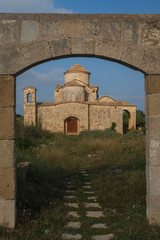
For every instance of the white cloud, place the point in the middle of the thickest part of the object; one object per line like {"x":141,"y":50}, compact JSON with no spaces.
{"x":30,"y":6}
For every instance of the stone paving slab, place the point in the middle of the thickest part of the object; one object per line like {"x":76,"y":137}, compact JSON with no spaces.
{"x":71,"y":236}
{"x":89,"y":192}
{"x":69,"y":186}
{"x":74,"y":205}
{"x":73,"y":214}
{"x":94,"y":214}
{"x":96,"y":205}
{"x":86,"y":174}
{"x":69,"y":197}
{"x":74,"y":225}
{"x":92,"y":198}
{"x":103,"y":237}
{"x":69,"y":182}
{"x":99,"y":225}
{"x":87,"y":183}
{"x":83,"y":171}
{"x":70,"y":191}
{"x":87,"y":187}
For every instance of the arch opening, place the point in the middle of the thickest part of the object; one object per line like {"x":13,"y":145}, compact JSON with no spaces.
{"x":126,"y":121}
{"x":29,"y":98}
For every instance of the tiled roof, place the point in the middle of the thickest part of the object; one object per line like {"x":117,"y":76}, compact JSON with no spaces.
{"x":110,"y":100}
{"x":74,"y":83}
{"x":29,"y":87}
{"x":125,"y":103}
{"x":47,"y":104}
{"x":59,"y":86}
{"x":77,"y":68}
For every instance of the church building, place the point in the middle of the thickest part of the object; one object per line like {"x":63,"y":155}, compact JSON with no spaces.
{"x":77,"y":107}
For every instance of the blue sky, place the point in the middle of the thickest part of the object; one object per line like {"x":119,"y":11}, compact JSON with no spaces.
{"x":113,"y":79}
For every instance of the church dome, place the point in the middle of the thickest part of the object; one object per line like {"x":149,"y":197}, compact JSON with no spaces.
{"x":77,"y":72}
{"x":77,"y":68}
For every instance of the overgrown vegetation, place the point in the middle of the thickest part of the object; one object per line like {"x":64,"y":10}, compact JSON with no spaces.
{"x":117,"y":168}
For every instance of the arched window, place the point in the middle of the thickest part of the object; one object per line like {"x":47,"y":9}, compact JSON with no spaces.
{"x":29,"y":97}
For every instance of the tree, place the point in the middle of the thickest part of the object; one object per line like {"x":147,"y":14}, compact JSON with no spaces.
{"x":140,"y":119}
{"x":125,"y":121}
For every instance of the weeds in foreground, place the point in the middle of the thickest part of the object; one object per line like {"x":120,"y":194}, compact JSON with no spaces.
{"x":116,"y":164}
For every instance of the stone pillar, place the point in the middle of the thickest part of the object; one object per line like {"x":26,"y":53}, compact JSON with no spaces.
{"x":7,"y":151}
{"x":152,"y":90}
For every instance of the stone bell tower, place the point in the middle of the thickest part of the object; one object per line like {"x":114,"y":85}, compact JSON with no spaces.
{"x":30,"y":110}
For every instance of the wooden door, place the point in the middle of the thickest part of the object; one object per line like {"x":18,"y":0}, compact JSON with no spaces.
{"x":72,"y":126}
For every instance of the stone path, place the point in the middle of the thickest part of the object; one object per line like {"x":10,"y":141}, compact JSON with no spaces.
{"x":84,"y":210}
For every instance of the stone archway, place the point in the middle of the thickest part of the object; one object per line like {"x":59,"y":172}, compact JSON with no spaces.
{"x":30,"y":39}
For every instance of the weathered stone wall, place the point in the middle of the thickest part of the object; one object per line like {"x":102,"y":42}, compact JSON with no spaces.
{"x":152,"y":89}
{"x":29,"y":39}
{"x":52,"y":117}
{"x":73,"y":94}
{"x":82,"y":76}
{"x":132,"y":40}
{"x":90,"y":116}
{"x":7,"y":151}
{"x":30,"y":114}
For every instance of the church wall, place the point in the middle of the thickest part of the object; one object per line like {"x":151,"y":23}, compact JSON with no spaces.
{"x":30,"y":114}
{"x":117,"y":117}
{"x":73,"y":94}
{"x":101,"y":117}
{"x":52,"y":117}
{"x":58,"y":95}
{"x":83,"y":77}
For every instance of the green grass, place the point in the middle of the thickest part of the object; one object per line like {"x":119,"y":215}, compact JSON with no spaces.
{"x":53,"y":157}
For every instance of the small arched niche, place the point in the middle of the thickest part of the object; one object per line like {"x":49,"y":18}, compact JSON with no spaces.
{"x":29,"y":98}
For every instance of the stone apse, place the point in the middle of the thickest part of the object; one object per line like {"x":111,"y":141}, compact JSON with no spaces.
{"x":30,"y":39}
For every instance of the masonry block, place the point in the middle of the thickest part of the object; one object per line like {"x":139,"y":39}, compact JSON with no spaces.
{"x":7,"y":91}
{"x":36,"y":52}
{"x":60,"y":47}
{"x":103,"y":48}
{"x":131,"y":33}
{"x":48,"y":29}
{"x":7,"y":183}
{"x":133,"y":55}
{"x":153,"y":180}
{"x":10,"y":32}
{"x":7,"y":153}
{"x":152,"y":84}
{"x":7,"y":213}
{"x":94,"y":28}
{"x":153,"y":152}
{"x":153,"y":127}
{"x":11,"y":60}
{"x":112,"y":31}
{"x":70,"y":27}
{"x":82,"y":45}
{"x":7,"y":123}
{"x":152,"y":104}
{"x":151,"y":61}
{"x":150,"y":34}
{"x":29,"y":31}
{"x":153,"y":209}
